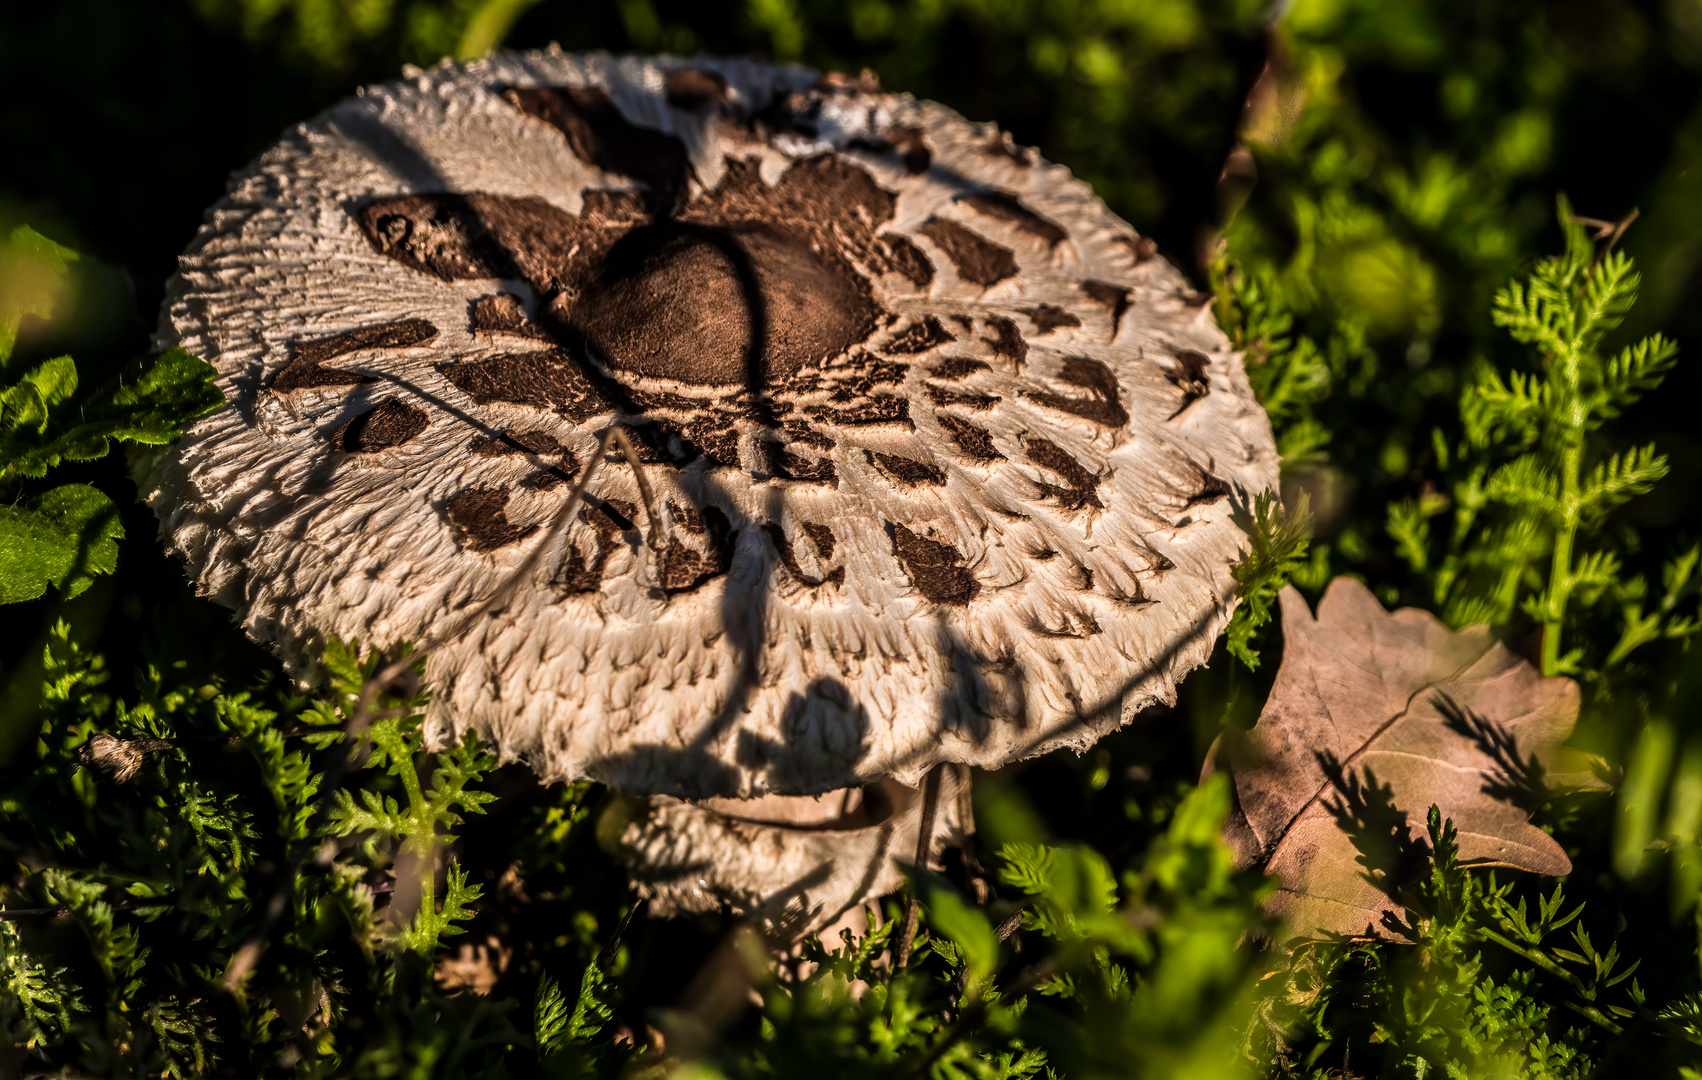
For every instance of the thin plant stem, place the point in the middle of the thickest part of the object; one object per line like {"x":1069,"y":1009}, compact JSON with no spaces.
{"x":1560,"y":570}
{"x":924,"y":849}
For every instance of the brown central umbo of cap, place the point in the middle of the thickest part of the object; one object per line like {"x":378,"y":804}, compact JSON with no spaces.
{"x":747,"y":283}
{"x":711,"y":305}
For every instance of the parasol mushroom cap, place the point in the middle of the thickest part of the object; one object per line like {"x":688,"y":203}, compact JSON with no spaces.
{"x":939,"y":462}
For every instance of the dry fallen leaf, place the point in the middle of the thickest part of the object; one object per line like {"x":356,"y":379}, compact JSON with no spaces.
{"x":1373,"y":718}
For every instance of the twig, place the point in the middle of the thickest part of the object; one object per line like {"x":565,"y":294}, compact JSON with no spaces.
{"x":653,"y":535}
{"x":1003,"y":933}
{"x":1611,"y":231}
{"x":606,"y":955}
{"x":924,"y":848}
{"x":11,"y":914}
{"x":973,"y":871}
{"x":116,"y":760}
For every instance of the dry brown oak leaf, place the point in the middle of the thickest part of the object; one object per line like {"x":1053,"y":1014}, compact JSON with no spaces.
{"x":1375,"y":717}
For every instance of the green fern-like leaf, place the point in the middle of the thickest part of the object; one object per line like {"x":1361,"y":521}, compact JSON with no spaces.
{"x":1619,"y":479}
{"x":1279,"y":542}
{"x":36,"y":1002}
{"x":592,"y":1009}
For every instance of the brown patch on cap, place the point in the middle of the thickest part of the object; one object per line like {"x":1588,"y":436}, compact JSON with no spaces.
{"x":304,"y":372}
{"x":979,"y":402}
{"x":903,"y":141}
{"x":978,"y":260}
{"x":1189,"y":377}
{"x":1007,"y":340}
{"x":650,"y":400}
{"x":958,"y":367}
{"x":851,"y":381}
{"x":798,"y":431}
{"x":909,"y":471}
{"x":685,"y":567}
{"x":479,"y":237}
{"x":789,"y":557}
{"x":894,"y":254}
{"x":935,"y":568}
{"x":610,"y":515}
{"x":974,"y":441}
{"x":609,"y":519}
{"x":1103,"y":403}
{"x":1007,"y":208}
{"x":675,"y":302}
{"x":500,"y":314}
{"x":1048,"y":317}
{"x":601,"y":137}
{"x":1081,"y":488}
{"x":716,"y":440}
{"x":1114,"y":298}
{"x":786,"y":465}
{"x":391,"y":423}
{"x":580,"y":575}
{"x":874,"y":409}
{"x":830,"y":197}
{"x":693,"y":88}
{"x":540,"y":443}
{"x":919,"y":337}
{"x":547,"y":379}
{"x":821,"y":536}
{"x":481,"y":516}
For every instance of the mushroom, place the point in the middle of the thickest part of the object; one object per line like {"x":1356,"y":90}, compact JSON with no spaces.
{"x":931,"y":459}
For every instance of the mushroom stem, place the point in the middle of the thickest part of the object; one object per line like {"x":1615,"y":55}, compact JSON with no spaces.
{"x":924,"y":849}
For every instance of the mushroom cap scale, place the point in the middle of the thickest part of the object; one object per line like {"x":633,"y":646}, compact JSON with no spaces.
{"x":944,"y":463}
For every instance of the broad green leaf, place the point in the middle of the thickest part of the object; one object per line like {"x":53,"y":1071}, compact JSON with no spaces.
{"x":55,"y":380}
{"x":175,"y":389}
{"x":62,"y":538}
{"x":28,"y":406}
{"x":32,"y":276}
{"x":150,"y":406}
{"x":21,"y":410}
